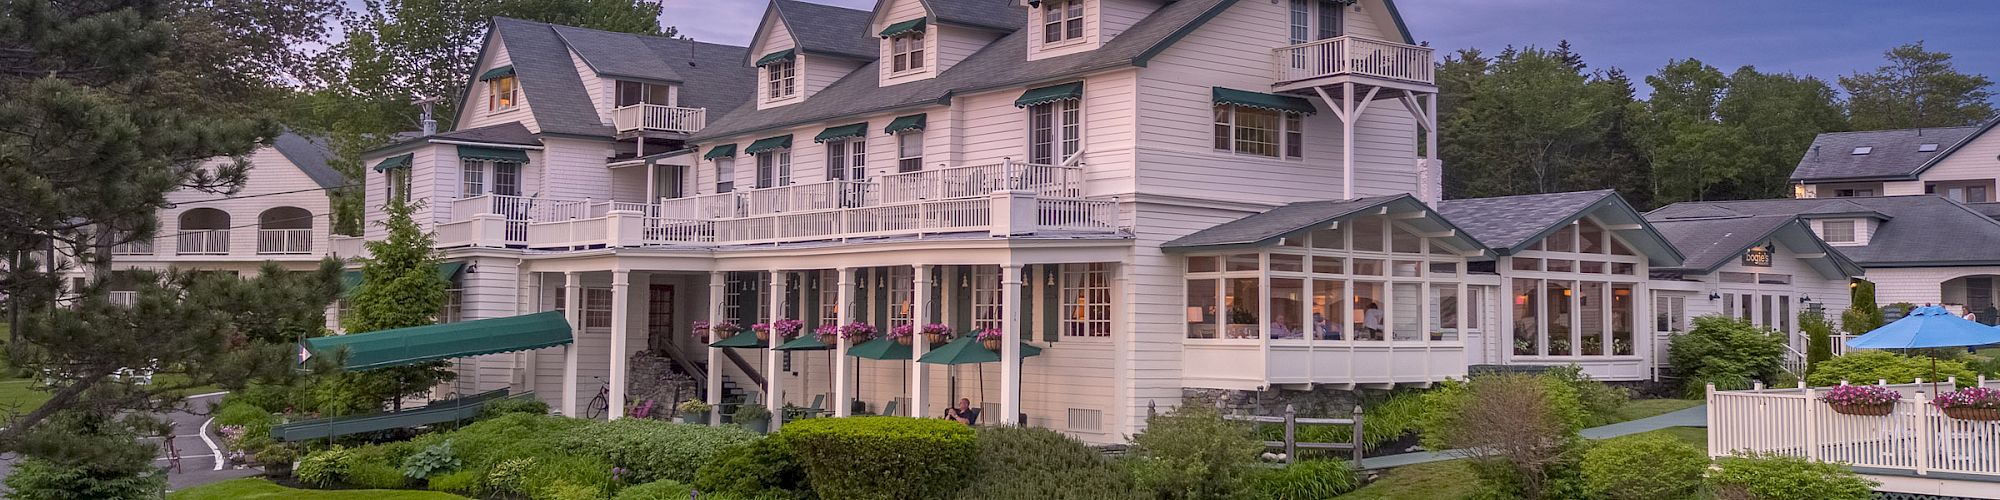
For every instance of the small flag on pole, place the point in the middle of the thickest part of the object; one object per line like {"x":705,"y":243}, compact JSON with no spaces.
{"x":304,"y":354}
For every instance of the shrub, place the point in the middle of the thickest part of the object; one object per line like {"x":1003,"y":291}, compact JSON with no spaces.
{"x":1191,"y":452}
{"x":749,"y":413}
{"x":486,"y":443}
{"x":504,"y":406}
{"x":435,"y":459}
{"x":1819,"y":337}
{"x":254,"y":424}
{"x":276,"y":457}
{"x":567,"y":491}
{"x":510,"y":476}
{"x":41,"y":479}
{"x":1727,"y":352}
{"x":1651,"y":467}
{"x":464,"y":482}
{"x":1772,"y":477}
{"x":1016,"y":463}
{"x":322,"y":468}
{"x":653,"y":450}
{"x":1862,"y":315}
{"x":1307,"y":480}
{"x":1518,"y":430}
{"x":1868,"y":366}
{"x":1600,"y":402}
{"x":761,"y":467}
{"x":882,"y":457}
{"x":560,"y":476}
{"x":374,"y":475}
{"x":666,"y":489}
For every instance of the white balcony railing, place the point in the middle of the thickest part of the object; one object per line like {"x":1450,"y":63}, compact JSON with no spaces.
{"x":202,"y":242}
{"x":284,"y":241}
{"x":1351,"y":55}
{"x":139,"y":247}
{"x":1048,"y":181}
{"x":659,"y":117}
{"x":823,"y":195}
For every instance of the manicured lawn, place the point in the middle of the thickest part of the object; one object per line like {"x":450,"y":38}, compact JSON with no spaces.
{"x":255,"y":488}
{"x":16,"y":394}
{"x":1445,"y":480}
{"x":1691,"y":435}
{"x":1642,"y":408}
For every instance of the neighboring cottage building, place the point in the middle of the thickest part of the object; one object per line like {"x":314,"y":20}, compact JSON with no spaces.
{"x":1960,"y":163}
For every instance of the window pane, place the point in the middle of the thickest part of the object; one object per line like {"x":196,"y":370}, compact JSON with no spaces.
{"x":1442,"y":269}
{"x":1202,"y":313}
{"x":1327,"y":265}
{"x":1527,"y":320}
{"x":1403,"y":241}
{"x":1243,"y":262}
{"x":1202,"y":265}
{"x":1625,"y":268}
{"x":1561,"y":265}
{"x":1590,"y":267}
{"x":1328,"y":238}
{"x":1590,"y":303}
{"x":1287,"y":308}
{"x":1561,"y":321}
{"x":1288,"y":262}
{"x":1256,"y":132}
{"x":1328,"y":304}
{"x":1564,"y":240}
{"x":1526,"y":264}
{"x":1621,"y":319}
{"x":1241,"y":300}
{"x":1406,"y":269}
{"x":1590,"y":237}
{"x":1409,"y":310}
{"x":1367,"y":311}
{"x":1368,"y":267}
{"x":1444,"y":312}
{"x":1222,"y":128}
{"x":1368,"y":234}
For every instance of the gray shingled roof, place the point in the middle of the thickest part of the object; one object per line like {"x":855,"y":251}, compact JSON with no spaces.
{"x":1894,"y":153}
{"x":1711,"y":242}
{"x":1002,"y":15}
{"x":548,"y":79}
{"x":1510,"y":224}
{"x":709,"y":74}
{"x":1990,"y":209}
{"x":1924,"y":230}
{"x":826,"y":29}
{"x":1000,"y":64}
{"x":505,"y":133}
{"x":310,"y":155}
{"x":1265,"y":228}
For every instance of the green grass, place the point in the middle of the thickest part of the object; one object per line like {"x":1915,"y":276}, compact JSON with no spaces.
{"x":19,"y":394}
{"x":255,"y":488}
{"x":1642,"y":408}
{"x":1436,"y":480}
{"x":1691,"y":435}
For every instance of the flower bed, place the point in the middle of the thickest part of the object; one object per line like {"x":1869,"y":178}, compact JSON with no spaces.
{"x":1978,"y":403}
{"x":1872,"y":400}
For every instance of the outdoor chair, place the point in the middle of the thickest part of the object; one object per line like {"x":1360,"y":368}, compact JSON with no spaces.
{"x":889,"y":409}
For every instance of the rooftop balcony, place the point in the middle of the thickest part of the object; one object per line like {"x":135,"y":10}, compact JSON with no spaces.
{"x":659,"y":118}
{"x":1354,"y":56}
{"x":1004,"y":199}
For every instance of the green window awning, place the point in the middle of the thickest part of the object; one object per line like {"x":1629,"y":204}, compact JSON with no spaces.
{"x":769,"y":144}
{"x":394,"y":162}
{"x":723,"y":151}
{"x":1260,"y":100}
{"x":903,"y":27}
{"x":450,"y":410}
{"x":902,"y":123}
{"x":500,"y":72}
{"x":492,"y":154}
{"x":448,"y":271}
{"x":420,"y":344}
{"x":806,"y":342}
{"x":745,"y":339}
{"x":1049,"y":94}
{"x":842,"y":132}
{"x":782,"y":55}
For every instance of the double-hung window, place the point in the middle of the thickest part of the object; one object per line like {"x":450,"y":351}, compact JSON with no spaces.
{"x":782,"y":79}
{"x":482,"y":177}
{"x":634,"y":93}
{"x":774,"y":168}
{"x":1062,"y":21}
{"x":847,"y":159}
{"x":906,"y":51}
{"x":725,"y":175}
{"x":398,"y":186}
{"x":502,"y":93}
{"x":1837,"y":231}
{"x":909,"y":151}
{"x":1055,"y":131}
{"x":1260,"y":132}
{"x":1086,"y":300}
{"x":1314,"y":20}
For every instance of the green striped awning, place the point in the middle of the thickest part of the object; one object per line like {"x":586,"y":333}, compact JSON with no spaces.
{"x":394,"y":162}
{"x":1049,"y":94}
{"x":903,"y":27}
{"x":1274,"y":102}
{"x":769,"y":144}
{"x":782,"y":55}
{"x":902,"y":123}
{"x":503,"y":71}
{"x":842,"y":132}
{"x":421,"y":344}
{"x":448,"y":271}
{"x":723,"y":151}
{"x":492,"y":154}
{"x":450,"y":410}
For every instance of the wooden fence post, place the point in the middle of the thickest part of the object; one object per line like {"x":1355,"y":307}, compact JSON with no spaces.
{"x":1291,"y":438}
{"x":1812,"y":425}
{"x":1357,"y":452}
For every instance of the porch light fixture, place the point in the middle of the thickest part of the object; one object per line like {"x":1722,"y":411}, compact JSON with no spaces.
{"x":1714,"y":296}
{"x":1805,"y":299}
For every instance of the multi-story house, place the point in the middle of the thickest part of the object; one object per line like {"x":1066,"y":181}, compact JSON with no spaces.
{"x":1954,"y":162}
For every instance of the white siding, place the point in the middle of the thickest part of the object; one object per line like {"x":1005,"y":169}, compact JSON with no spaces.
{"x":776,"y":38}
{"x":954,"y":44}
{"x":1093,"y":32}
{"x":1919,"y":285}
{"x":598,"y":88}
{"x":573,"y":169}
{"x":1974,"y":161}
{"x":475,"y":114}
{"x":273,"y":181}
{"x":1114,"y":16}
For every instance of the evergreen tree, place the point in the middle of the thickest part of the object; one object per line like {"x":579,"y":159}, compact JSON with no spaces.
{"x":1533,"y":121}
{"x":1917,"y":88}
{"x":1862,"y":315}
{"x":1819,"y":337}
{"x":400,"y":288}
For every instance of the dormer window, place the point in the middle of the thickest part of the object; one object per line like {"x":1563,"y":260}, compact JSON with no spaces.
{"x":906,"y":51}
{"x":503,"y":92}
{"x":1837,"y":231}
{"x":1062,"y":21}
{"x":635,"y":93}
{"x":780,"y":75}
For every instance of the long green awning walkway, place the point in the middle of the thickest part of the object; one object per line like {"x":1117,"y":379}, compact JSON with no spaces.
{"x":451,"y":410}
{"x":419,"y":344}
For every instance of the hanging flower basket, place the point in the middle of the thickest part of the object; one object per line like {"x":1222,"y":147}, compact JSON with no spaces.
{"x":1864,"y":410}
{"x":990,"y":338}
{"x":1867,"y":400}
{"x":857,"y":332}
{"x":936,"y":334}
{"x":788,"y":328}
{"x":828,"y":334}
{"x":763,"y":331}
{"x":1980,"y":414}
{"x":1977,"y":403}
{"x":902,"y":334}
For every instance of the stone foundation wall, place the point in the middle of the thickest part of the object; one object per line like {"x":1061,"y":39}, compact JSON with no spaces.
{"x":1318,"y":402}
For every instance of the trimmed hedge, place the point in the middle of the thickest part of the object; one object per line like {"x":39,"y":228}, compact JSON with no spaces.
{"x":1773,"y":477}
{"x":882,"y":457}
{"x":653,"y":450}
{"x":1643,"y":468}
{"x":1017,"y":463}
{"x":764,"y":467}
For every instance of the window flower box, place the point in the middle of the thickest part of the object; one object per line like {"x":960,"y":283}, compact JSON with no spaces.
{"x":1865,"y":400}
{"x":1978,"y":403}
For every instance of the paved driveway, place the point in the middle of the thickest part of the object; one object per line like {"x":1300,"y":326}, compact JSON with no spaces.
{"x":194,"y":439}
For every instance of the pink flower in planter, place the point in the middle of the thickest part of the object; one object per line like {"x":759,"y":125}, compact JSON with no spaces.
{"x":901,"y":332}
{"x":1977,"y":397}
{"x":826,"y":330}
{"x":857,"y":330}
{"x":1861,"y":395}
{"x":788,"y":327}
{"x":726,"y":327}
{"x":937,"y":329}
{"x":986,"y":334}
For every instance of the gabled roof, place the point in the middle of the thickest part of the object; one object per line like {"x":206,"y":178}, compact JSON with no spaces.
{"x":310,"y":155}
{"x":1001,"y":64}
{"x":1510,"y":224}
{"x":548,"y":79}
{"x":708,"y":73}
{"x":826,"y":29}
{"x":1918,"y":231}
{"x":1892,"y":154}
{"x":1712,"y":242}
{"x":997,"y":15}
{"x":1298,"y":218}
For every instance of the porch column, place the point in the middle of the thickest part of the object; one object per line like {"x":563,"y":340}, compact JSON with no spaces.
{"x":920,"y":294}
{"x":844,"y":312}
{"x":572,"y":295}
{"x":1010,"y":345}
{"x":772,"y":400}
{"x":621,"y":294}
{"x":716,"y":282}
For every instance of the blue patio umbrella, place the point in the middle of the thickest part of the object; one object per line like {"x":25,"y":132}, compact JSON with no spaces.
{"x":1926,"y":327}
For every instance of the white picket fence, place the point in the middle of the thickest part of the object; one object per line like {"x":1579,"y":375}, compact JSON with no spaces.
{"x":1916,"y":436}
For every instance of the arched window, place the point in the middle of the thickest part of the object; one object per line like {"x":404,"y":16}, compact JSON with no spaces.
{"x":285,"y":230}
{"x":203,"y":231}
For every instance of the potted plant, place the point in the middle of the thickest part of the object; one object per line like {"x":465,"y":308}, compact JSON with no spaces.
{"x":752,"y":416}
{"x":788,"y":328}
{"x":694,"y":411}
{"x":902,"y":334}
{"x":276,"y":460}
{"x":857,"y":332}
{"x":1871,"y":400}
{"x":723,"y":330}
{"x":1977,"y":403}
{"x":936,"y":333}
{"x":828,"y":333}
{"x":763,"y":331}
{"x":702,"y":330}
{"x":990,"y":337}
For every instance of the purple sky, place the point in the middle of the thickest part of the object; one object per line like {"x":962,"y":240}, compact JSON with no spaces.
{"x":1817,"y":37}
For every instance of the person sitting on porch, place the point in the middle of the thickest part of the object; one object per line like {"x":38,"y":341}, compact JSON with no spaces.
{"x":1324,"y":328}
{"x":964,"y":413}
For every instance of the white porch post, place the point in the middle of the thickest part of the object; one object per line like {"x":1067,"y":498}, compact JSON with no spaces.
{"x":772,"y":400}
{"x":844,"y":314}
{"x":572,"y":295}
{"x":716,"y":293}
{"x":920,"y":295}
{"x":1010,"y":345}
{"x":1347,"y":120}
{"x":621,"y":295}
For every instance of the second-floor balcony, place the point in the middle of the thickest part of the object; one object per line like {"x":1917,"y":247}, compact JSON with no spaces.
{"x":658,"y":118}
{"x":1354,"y":56}
{"x":202,"y":242}
{"x":284,"y":241}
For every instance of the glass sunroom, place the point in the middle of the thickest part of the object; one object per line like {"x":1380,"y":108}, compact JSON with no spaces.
{"x":1368,"y":291}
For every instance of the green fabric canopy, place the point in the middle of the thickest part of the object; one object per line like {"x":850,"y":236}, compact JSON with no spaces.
{"x":503,"y":71}
{"x":902,"y":123}
{"x":394,"y":162}
{"x":881,"y":349}
{"x":903,"y":27}
{"x":723,"y":151}
{"x":1274,"y":102}
{"x":805,"y":342}
{"x":745,"y":339}
{"x":1049,"y":94}
{"x":966,"y":350}
{"x":782,"y":55}
{"x":769,"y":144}
{"x":419,"y":344}
{"x":842,"y":132}
{"x":492,"y":154}
{"x":450,"y":410}
{"x":449,"y":271}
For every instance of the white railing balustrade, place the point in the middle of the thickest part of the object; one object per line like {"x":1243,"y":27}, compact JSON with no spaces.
{"x":704,"y":207}
{"x":137,"y":247}
{"x":660,"y":231}
{"x":1915,"y":436}
{"x":125,"y":298}
{"x":284,"y":241}
{"x":1353,"y":55}
{"x":1062,"y":214}
{"x":659,"y":117}
{"x":1048,"y":181}
{"x":202,"y":242}
{"x":825,"y":195}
